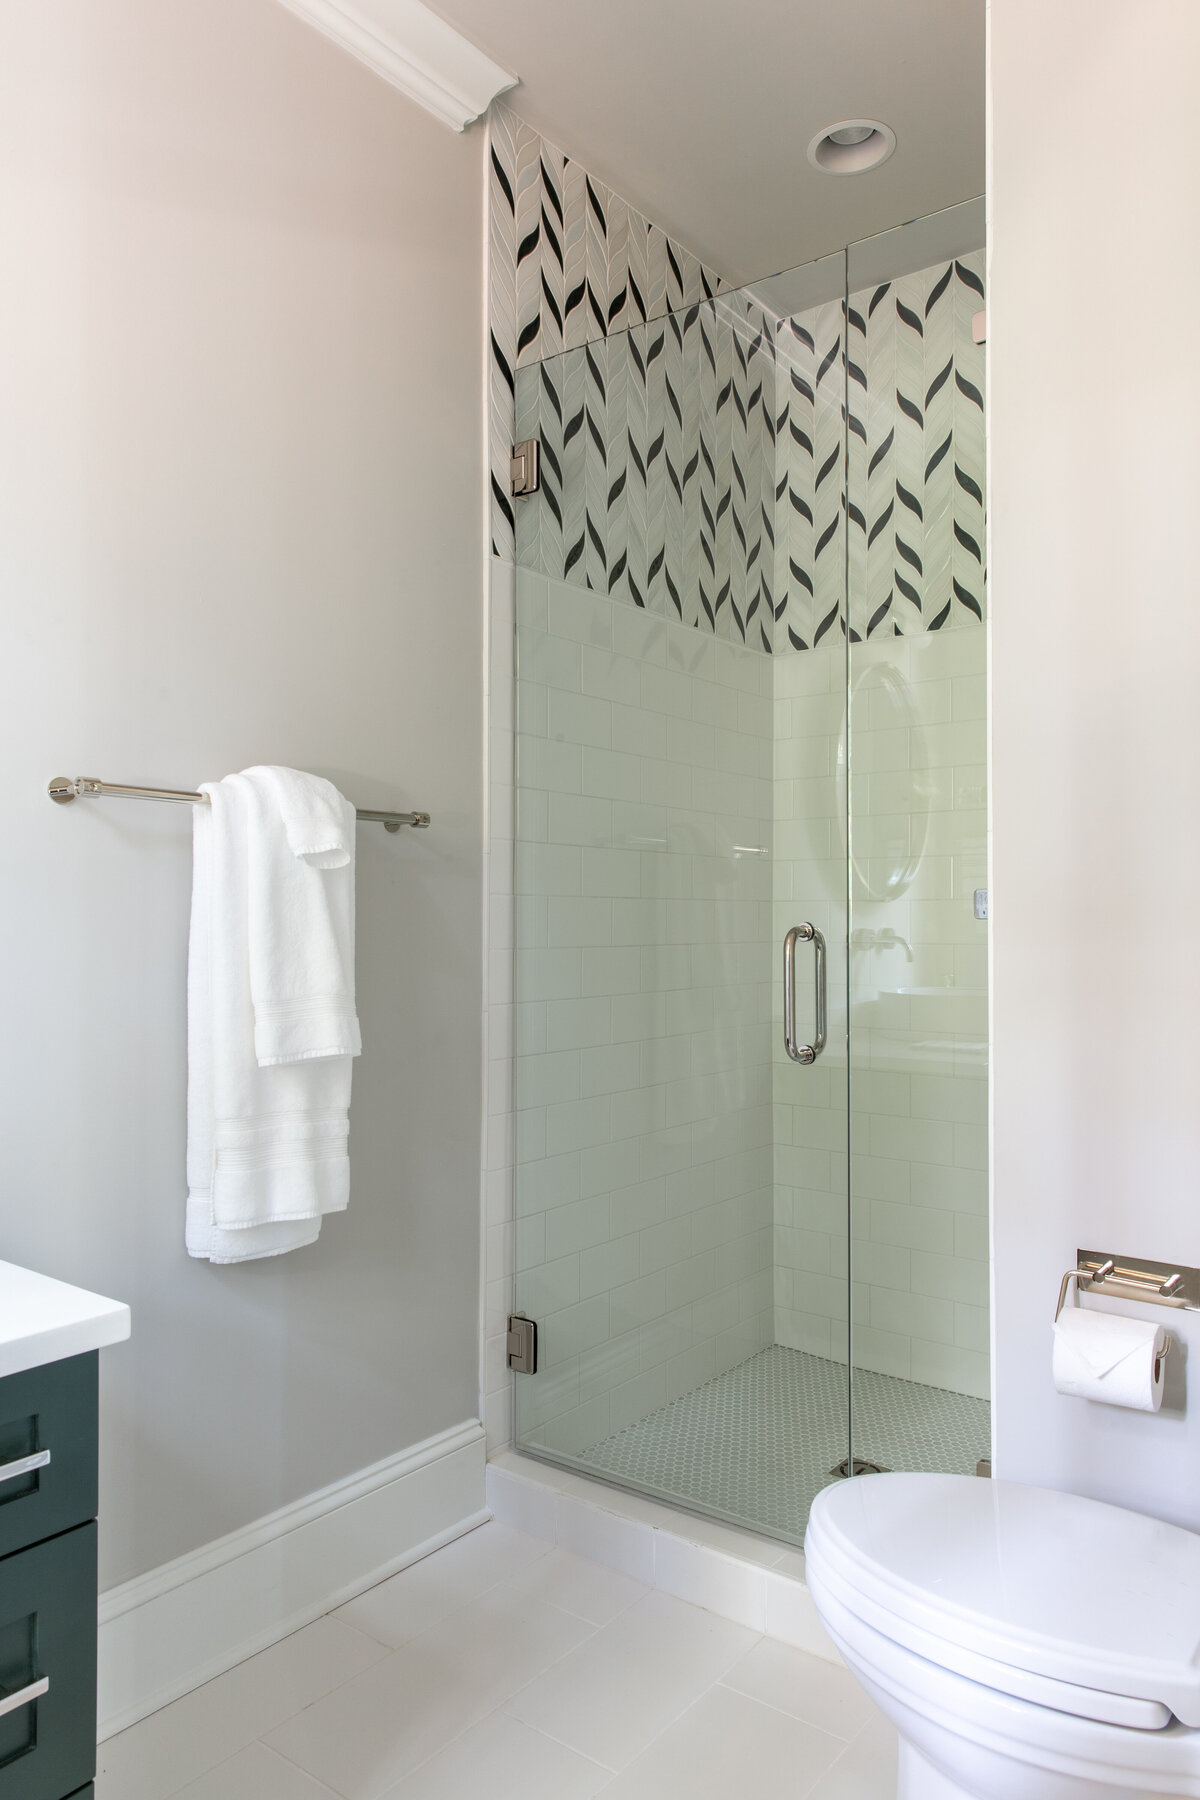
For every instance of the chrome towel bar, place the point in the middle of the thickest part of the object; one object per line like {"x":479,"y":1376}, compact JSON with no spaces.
{"x":63,"y":790}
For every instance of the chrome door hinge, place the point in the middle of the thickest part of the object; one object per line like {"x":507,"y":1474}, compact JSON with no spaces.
{"x":522,"y":1344}
{"x":523,"y":469}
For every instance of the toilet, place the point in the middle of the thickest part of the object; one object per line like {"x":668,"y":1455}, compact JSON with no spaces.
{"x":1026,"y":1644}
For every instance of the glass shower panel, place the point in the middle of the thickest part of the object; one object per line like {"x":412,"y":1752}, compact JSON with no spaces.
{"x":912,"y":763}
{"x":810,"y":671}
{"x":689,"y":523}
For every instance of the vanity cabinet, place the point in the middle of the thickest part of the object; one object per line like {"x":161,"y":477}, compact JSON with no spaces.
{"x":48,"y":1452}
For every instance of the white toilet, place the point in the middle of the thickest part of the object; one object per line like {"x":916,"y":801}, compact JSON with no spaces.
{"x":1027,"y":1644}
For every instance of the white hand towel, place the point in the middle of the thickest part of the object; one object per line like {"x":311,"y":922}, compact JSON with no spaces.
{"x":267,"y":1145}
{"x":301,"y":916}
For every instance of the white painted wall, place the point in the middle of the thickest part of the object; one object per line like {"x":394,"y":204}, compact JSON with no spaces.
{"x":240,"y":505}
{"x":1095,"y":463}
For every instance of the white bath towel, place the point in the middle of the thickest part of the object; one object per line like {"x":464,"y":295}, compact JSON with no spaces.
{"x":271,"y":1021}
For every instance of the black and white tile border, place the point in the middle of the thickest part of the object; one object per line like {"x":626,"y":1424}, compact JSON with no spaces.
{"x":692,"y":441}
{"x":569,"y":262}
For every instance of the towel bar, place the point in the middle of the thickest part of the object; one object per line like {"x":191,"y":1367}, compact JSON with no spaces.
{"x":63,"y":790}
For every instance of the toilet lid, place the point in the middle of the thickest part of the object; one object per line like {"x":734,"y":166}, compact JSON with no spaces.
{"x":1050,"y":1583}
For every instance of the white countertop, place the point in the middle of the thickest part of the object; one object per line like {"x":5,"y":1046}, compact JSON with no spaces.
{"x":41,"y":1320}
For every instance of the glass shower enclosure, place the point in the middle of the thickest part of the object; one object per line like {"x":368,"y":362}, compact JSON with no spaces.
{"x":750,"y":886}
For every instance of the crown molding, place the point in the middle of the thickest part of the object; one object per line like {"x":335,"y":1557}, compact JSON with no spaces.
{"x":415,"y":51}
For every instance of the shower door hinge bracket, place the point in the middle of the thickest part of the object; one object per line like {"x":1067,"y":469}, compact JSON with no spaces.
{"x":522,"y":1344}
{"x":523,"y":471}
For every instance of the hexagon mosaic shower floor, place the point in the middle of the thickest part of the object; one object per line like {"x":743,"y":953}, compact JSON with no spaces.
{"x":756,"y":1444}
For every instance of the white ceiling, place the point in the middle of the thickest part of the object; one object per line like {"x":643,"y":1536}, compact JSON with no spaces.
{"x":701,"y":111}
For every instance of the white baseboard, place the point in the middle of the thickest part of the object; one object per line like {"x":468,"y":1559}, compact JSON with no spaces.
{"x":180,"y":1625}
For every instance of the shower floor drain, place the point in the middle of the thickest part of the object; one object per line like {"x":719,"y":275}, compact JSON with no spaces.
{"x":861,"y":1467}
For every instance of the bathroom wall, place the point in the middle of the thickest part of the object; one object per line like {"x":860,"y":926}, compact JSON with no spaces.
{"x":642,"y":1008}
{"x":242,"y":521}
{"x":569,"y":262}
{"x":658,"y":469}
{"x":1095,"y":147}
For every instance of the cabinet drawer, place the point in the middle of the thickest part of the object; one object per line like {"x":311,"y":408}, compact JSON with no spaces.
{"x":48,"y":1635}
{"x":47,"y":1412}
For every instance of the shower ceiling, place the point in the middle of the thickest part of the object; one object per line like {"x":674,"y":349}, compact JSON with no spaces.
{"x":701,"y":113}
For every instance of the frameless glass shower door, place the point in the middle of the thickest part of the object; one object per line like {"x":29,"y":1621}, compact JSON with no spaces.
{"x":751,"y":1254}
{"x":914,"y":760}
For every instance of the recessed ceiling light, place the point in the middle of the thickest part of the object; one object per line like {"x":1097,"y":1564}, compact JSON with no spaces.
{"x":851,"y":146}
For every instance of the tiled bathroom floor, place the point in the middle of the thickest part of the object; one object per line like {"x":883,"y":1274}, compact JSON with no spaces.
{"x":757,"y":1444}
{"x":505,"y":1668}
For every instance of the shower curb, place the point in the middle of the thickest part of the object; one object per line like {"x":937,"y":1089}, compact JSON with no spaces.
{"x":752,"y":1580}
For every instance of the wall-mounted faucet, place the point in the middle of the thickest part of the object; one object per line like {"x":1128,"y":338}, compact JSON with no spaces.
{"x":887,"y":939}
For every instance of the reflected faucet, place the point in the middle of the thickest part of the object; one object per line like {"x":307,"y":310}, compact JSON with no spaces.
{"x":887,"y":939}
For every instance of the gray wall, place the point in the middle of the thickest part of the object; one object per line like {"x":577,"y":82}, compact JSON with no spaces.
{"x":1095,"y":463}
{"x":240,"y":511}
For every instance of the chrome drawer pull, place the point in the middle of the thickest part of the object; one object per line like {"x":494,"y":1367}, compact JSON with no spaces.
{"x":24,"y":1695}
{"x":25,"y":1466}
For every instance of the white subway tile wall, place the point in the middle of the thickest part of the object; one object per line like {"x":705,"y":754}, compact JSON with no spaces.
{"x":643,"y":1199}
{"x":640,"y":1103}
{"x":918,"y":996}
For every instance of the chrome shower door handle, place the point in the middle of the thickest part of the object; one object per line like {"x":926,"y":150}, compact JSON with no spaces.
{"x":803,"y":1053}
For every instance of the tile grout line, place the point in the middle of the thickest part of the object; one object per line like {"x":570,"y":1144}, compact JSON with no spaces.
{"x":389,"y":1651}
{"x":492,"y":1712}
{"x":783,"y":1712}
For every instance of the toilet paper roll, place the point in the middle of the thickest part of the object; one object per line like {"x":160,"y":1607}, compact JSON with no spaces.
{"x":1106,"y":1356}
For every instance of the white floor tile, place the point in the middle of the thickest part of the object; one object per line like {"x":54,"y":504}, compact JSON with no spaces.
{"x":612,"y":1696}
{"x":726,"y":1744}
{"x":587,"y":1589}
{"x":184,"y":1740}
{"x":806,"y":1686}
{"x":504,"y":1760}
{"x":399,"y":1609}
{"x":377,"y":1729}
{"x":256,"y":1773}
{"x":865,"y":1771}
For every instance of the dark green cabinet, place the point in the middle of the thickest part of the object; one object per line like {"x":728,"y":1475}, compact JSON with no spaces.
{"x":48,"y":1412}
{"x":48,"y":1420}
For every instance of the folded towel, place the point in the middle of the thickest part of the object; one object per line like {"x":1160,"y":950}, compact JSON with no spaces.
{"x":268,"y":1138}
{"x":301,"y":917}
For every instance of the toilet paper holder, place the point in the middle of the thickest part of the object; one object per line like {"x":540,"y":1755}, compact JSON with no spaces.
{"x":1158,"y":1284}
